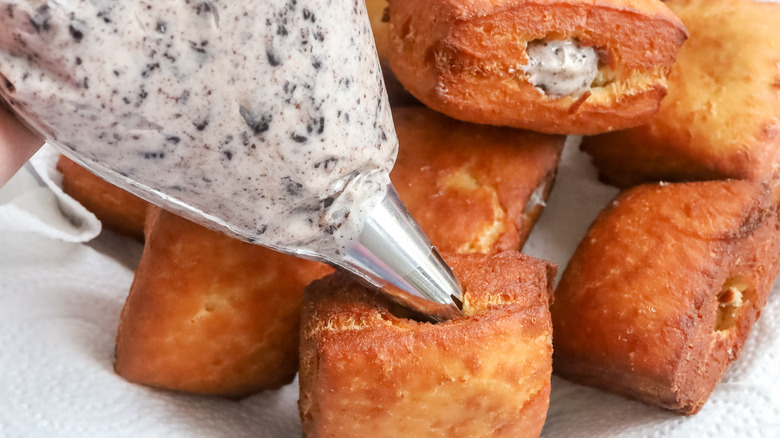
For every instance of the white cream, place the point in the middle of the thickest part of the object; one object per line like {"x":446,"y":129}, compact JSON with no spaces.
{"x":536,"y":200}
{"x":270,"y":115}
{"x":561,"y":68}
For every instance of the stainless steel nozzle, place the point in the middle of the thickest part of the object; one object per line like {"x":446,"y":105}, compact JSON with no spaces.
{"x":395,"y":255}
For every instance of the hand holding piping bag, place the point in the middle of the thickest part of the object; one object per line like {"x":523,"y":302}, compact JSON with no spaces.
{"x":17,"y":145}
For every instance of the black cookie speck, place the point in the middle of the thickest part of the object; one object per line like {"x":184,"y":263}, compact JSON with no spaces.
{"x":75,"y":33}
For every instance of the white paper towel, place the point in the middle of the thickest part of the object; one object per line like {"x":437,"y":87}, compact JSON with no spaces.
{"x":60,"y":304}
{"x":33,"y":202}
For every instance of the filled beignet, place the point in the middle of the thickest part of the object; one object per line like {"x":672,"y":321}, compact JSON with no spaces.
{"x":554,"y":66}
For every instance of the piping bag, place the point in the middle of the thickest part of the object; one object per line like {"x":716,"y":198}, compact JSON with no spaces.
{"x":265,"y":119}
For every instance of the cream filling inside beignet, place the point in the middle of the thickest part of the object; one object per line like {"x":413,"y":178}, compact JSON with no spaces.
{"x":536,"y":199}
{"x":561,"y":68}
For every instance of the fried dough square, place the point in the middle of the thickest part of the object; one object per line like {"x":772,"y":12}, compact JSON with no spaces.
{"x":466,"y":59}
{"x":472,"y":188}
{"x":368,"y":368}
{"x":721,"y":118}
{"x":210,"y":314}
{"x":661,"y":294}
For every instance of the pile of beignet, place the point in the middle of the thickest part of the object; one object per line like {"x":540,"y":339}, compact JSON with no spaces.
{"x":654,"y":305}
{"x":212,"y":315}
{"x":209,"y":314}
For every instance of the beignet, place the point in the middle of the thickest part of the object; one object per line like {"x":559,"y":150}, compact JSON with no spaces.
{"x":660,"y":295}
{"x":554,"y":66}
{"x":721,"y":118}
{"x":368,"y":370}
{"x":210,"y":314}
{"x":472,"y":188}
{"x":117,"y":209}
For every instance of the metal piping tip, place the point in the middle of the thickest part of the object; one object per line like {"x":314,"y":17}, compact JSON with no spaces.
{"x":395,"y":255}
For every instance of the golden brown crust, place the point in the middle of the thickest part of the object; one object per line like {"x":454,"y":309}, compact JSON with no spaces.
{"x":210,"y":314}
{"x":368,"y":371}
{"x":720,"y":119}
{"x":118,"y":209}
{"x":462,"y":58}
{"x":471,"y":187}
{"x":641,"y":309}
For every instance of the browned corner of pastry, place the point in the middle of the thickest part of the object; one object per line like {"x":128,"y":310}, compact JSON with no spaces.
{"x":472,"y":188}
{"x":118,"y":209}
{"x":210,"y":314}
{"x":367,"y":369}
{"x":379,"y":16}
{"x":661,"y":294}
{"x":554,"y":66}
{"x":721,"y":117}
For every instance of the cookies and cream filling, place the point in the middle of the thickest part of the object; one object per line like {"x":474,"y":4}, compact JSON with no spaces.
{"x":561,"y":68}
{"x":270,"y":116}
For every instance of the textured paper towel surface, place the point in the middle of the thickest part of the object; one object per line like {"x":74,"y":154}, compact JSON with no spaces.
{"x":33,"y":202}
{"x":60,"y":305}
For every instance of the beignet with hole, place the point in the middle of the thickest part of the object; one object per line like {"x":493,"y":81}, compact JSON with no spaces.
{"x":554,"y":66}
{"x":117,"y":209}
{"x":210,"y":314}
{"x":472,"y":188}
{"x":721,"y":118}
{"x":660,"y":295}
{"x":368,"y":368}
